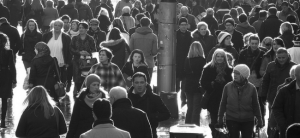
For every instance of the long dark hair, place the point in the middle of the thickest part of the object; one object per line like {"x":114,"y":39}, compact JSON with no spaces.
{"x":138,"y":51}
{"x":36,"y":26}
{"x":114,"y":34}
{"x":118,"y":23}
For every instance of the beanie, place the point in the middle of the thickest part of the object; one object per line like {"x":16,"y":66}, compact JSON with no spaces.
{"x":243,"y":18}
{"x":230,"y":20}
{"x":183,"y":20}
{"x":102,"y":109}
{"x":222,"y":35}
{"x":92,"y":78}
{"x":94,"y":21}
{"x":117,"y":93}
{"x":243,"y":70}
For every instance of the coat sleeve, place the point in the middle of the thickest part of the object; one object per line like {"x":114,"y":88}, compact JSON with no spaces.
{"x":256,"y":107}
{"x":223,"y":103}
{"x":206,"y":81}
{"x":62,"y":122}
{"x":262,"y":31}
{"x":241,"y":59}
{"x":118,"y":10}
{"x":21,"y":128}
{"x":73,"y":48}
{"x":119,"y":76}
{"x":278,"y":108}
{"x":131,"y":42}
{"x":18,"y":42}
{"x":74,"y":123}
{"x":266,"y":82}
{"x":12,"y":67}
{"x":90,"y":13}
{"x":162,"y":112}
{"x":154,"y":46}
{"x":21,"y":50}
{"x":32,"y":74}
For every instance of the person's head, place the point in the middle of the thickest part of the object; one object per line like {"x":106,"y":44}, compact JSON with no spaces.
{"x":3,"y":20}
{"x":292,"y":72}
{"x":203,"y":28}
{"x":196,"y":50}
{"x":183,"y":24}
{"x":75,"y":25}
{"x":118,"y":23}
{"x":94,"y":23}
{"x":138,"y":18}
{"x":139,"y":82}
{"x":224,"y":5}
{"x":219,"y":57}
{"x":104,"y":12}
{"x":243,"y":18}
{"x":137,"y":4}
{"x":241,"y":72}
{"x":230,"y":59}
{"x":224,"y":38}
{"x":229,"y":24}
{"x":114,"y":34}
{"x":267,"y":43}
{"x":126,"y":9}
{"x":296,"y":5}
{"x":71,"y":2}
{"x":145,"y":22}
{"x":263,"y":14}
{"x":282,"y":55}
{"x":117,"y":93}
{"x":184,"y":10}
{"x":134,"y":11}
{"x":210,"y":11}
{"x":277,"y":43}
{"x":195,"y":2}
{"x":105,"y":56}
{"x":178,"y":8}
{"x":102,"y":110}
{"x":93,"y":83}
{"x":297,"y":73}
{"x":264,"y":4}
{"x":42,"y":48}
{"x":31,"y":26}
{"x":49,"y":4}
{"x":293,"y":131}
{"x":296,"y":40}
{"x":58,"y":25}
{"x":285,"y":6}
{"x":254,"y":41}
{"x":3,"y":40}
{"x":286,"y":27}
{"x":246,"y":38}
{"x":66,"y":19}
{"x":240,"y":10}
{"x":272,"y":11}
{"x":39,"y":97}
{"x":233,"y":12}
{"x":83,"y":28}
{"x":137,"y":56}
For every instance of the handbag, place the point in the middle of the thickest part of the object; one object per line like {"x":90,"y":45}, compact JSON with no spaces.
{"x":59,"y":86}
{"x":87,"y":62}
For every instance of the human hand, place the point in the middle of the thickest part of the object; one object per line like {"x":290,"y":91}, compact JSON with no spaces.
{"x":129,"y":78}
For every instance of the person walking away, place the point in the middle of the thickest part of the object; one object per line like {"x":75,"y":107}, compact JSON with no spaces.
{"x":262,"y":17}
{"x":50,"y":14}
{"x":127,"y":20}
{"x":287,"y":34}
{"x":70,"y":10}
{"x":120,"y":5}
{"x":84,"y":11}
{"x":295,"y":50}
{"x":244,"y":27}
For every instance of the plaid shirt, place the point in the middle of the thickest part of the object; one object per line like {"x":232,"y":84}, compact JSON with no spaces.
{"x":110,"y":75}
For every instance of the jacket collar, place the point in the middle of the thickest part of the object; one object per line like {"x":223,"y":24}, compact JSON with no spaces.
{"x":107,"y":125}
{"x":122,"y":103}
{"x":272,"y":17}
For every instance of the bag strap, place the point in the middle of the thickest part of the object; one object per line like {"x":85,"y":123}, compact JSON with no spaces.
{"x":56,"y":118}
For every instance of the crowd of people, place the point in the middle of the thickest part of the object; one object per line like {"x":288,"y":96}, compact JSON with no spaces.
{"x":233,"y":58}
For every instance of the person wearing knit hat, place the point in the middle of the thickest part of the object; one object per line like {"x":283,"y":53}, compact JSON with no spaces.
{"x":91,"y":79}
{"x":222,"y":35}
{"x":103,"y":125}
{"x":230,"y":20}
{"x":241,"y":70}
{"x":94,"y":21}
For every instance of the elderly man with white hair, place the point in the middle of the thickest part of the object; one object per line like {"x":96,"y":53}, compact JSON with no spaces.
{"x":184,"y":12}
{"x":286,"y":106}
{"x":126,"y":117}
{"x":127,"y":19}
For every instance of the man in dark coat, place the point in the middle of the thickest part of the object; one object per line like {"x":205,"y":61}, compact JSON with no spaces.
{"x":138,"y":17}
{"x":270,"y":27}
{"x":70,"y":10}
{"x":15,"y":9}
{"x":4,"y":12}
{"x":12,"y":33}
{"x":84,"y":11}
{"x":107,"y":7}
{"x":211,"y":21}
{"x":142,"y":97}
{"x":126,"y":117}
{"x":237,"y":37}
{"x":286,"y":106}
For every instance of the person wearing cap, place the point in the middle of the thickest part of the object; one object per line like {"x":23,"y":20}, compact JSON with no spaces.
{"x":268,"y":25}
{"x":295,"y":50}
{"x":103,"y":126}
{"x":127,"y":117}
{"x":286,"y":10}
{"x":286,"y":106}
{"x":94,"y":31}
{"x":244,"y":27}
{"x":211,"y":21}
{"x":224,"y":40}
{"x":240,"y":105}
{"x":82,"y":118}
{"x":237,"y":37}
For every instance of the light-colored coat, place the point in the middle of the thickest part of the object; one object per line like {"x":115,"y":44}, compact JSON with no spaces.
{"x":105,"y":131}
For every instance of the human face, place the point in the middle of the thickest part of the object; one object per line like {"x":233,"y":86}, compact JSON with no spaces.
{"x":184,"y":11}
{"x":268,"y":44}
{"x":282,"y":58}
{"x":202,"y":29}
{"x":103,"y":57}
{"x":254,"y":44}
{"x":227,"y":41}
{"x":66,"y":24}
{"x":31,"y":26}
{"x":219,"y":58}
{"x":94,"y":26}
{"x":82,"y":30}
{"x":236,"y":76}
{"x":94,"y":87}
{"x":137,"y":58}
{"x":57,"y":27}
{"x":183,"y":27}
{"x":229,"y":27}
{"x":137,"y":5}
{"x":276,"y":46}
{"x":139,"y":85}
{"x":74,"y":26}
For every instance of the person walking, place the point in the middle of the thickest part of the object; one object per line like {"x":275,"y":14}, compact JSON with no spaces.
{"x":50,"y":14}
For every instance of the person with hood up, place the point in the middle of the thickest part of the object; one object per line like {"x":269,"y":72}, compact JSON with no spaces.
{"x":127,"y":117}
{"x":240,"y":103}
{"x":70,"y":10}
{"x":118,"y":46}
{"x":96,"y":33}
{"x":237,"y":37}
{"x":270,"y":26}
{"x":143,"y":98}
{"x":84,"y":11}
{"x":287,"y":34}
{"x":108,"y":6}
{"x":203,"y":35}
{"x":262,"y":17}
{"x":145,"y":40}
{"x":244,"y":27}
{"x":120,"y":5}
{"x":211,"y":21}
{"x":225,"y":43}
{"x":286,"y":10}
{"x":127,"y":20}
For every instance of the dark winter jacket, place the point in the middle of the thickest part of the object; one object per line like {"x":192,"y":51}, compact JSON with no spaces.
{"x":7,"y":73}
{"x":274,"y":76}
{"x":193,"y":70}
{"x":287,"y":38}
{"x":60,"y":5}
{"x":70,"y":10}
{"x":207,"y":41}
{"x":13,"y":35}
{"x":104,"y":23}
{"x":93,"y":4}
{"x":229,"y":49}
{"x":270,"y":27}
{"x":15,"y":12}
{"x":151,"y":104}
{"x":132,"y":30}
{"x":109,"y":10}
{"x":284,"y":107}
{"x":237,"y":40}
{"x":257,"y":25}
{"x":212,"y":23}
{"x":129,"y":70}
{"x":66,"y":41}
{"x":191,"y":19}
{"x":33,"y":123}
{"x":98,"y":35}
{"x":34,"y":14}
{"x":184,"y":41}
{"x":28,"y":40}
{"x":84,"y":11}
{"x":254,"y":18}
{"x":4,"y":12}
{"x":131,"y":119}
{"x":245,"y":28}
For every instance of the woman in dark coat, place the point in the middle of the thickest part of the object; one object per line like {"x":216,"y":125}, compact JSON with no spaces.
{"x":193,"y":67}
{"x":29,"y":38}
{"x":43,"y":70}
{"x":82,"y":117}
{"x":216,"y":74}
{"x":8,"y":79}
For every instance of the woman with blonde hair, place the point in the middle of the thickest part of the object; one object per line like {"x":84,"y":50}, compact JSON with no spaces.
{"x":216,"y":74}
{"x":104,"y":20}
{"x":41,"y":118}
{"x":287,"y":34}
{"x":193,"y":67}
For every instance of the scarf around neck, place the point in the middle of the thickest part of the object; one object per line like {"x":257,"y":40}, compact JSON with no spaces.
{"x":90,"y":101}
{"x":73,"y":33}
{"x":221,"y":72}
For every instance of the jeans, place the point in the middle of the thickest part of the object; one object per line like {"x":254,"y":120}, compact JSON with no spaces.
{"x":234,"y":128}
{"x":194,"y":108}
